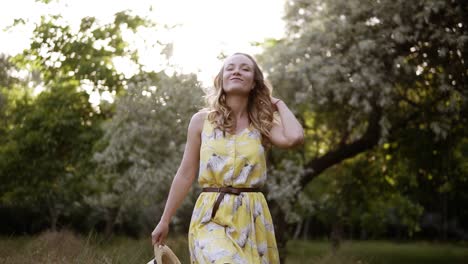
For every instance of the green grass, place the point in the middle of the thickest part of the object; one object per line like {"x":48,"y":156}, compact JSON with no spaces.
{"x":66,"y":247}
{"x":378,"y":252}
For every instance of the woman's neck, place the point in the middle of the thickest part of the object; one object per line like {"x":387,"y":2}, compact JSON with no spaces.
{"x":238,"y":105}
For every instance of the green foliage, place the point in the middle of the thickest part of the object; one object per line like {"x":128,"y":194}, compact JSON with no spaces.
{"x":45,"y":156}
{"x":6,"y":84}
{"x":432,"y":172}
{"x":142,"y":147}
{"x":358,"y":75}
{"x":60,"y":53}
{"x":346,"y":60}
{"x":283,"y":186}
{"x":341,"y":64}
{"x":357,"y":194}
{"x":45,"y":161}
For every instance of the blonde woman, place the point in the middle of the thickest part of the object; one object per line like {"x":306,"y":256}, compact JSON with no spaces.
{"x":226,"y":144}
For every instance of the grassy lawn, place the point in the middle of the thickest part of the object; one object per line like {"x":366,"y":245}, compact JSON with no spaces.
{"x":378,"y":252}
{"x":66,"y":247}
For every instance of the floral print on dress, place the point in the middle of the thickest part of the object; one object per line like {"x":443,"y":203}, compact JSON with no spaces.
{"x":242,"y":229}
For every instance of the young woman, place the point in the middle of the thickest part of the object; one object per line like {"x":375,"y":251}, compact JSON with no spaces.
{"x":226,"y":144}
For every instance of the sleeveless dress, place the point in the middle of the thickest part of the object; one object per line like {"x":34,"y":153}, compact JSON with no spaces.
{"x":242,"y":230}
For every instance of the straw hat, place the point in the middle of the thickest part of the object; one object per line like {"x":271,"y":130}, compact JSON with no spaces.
{"x":164,"y":255}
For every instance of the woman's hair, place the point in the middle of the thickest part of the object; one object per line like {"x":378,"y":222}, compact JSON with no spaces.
{"x":259,"y":107}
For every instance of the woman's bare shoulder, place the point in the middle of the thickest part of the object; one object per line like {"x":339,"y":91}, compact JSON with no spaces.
{"x":197,"y":121}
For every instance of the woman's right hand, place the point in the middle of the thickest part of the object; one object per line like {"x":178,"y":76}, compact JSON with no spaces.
{"x":159,"y":234}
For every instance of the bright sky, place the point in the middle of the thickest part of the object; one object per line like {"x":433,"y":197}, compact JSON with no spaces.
{"x":208,"y":27}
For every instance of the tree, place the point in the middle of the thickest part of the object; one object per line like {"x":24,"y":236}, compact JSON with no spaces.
{"x":87,"y":56}
{"x":6,"y":83}
{"x":142,"y":148}
{"x":432,"y":172}
{"x":46,"y":153}
{"x":358,"y":72}
{"x":362,"y":195}
{"x":47,"y":157}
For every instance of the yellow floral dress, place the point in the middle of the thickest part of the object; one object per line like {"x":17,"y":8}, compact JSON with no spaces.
{"x":241,"y":231}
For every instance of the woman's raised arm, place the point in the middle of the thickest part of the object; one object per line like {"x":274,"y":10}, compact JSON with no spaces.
{"x":289,"y":133}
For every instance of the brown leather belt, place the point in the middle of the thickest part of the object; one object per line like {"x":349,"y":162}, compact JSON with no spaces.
{"x":223,"y":190}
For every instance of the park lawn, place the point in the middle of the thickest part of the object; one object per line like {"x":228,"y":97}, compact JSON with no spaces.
{"x":378,"y":252}
{"x":66,"y":247}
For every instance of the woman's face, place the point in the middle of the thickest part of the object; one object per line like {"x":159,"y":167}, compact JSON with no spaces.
{"x":238,"y":75}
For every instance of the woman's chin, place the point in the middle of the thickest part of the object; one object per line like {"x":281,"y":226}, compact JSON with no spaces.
{"x":236,"y":90}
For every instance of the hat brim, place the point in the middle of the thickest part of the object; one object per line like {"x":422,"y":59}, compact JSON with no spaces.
{"x":164,"y":255}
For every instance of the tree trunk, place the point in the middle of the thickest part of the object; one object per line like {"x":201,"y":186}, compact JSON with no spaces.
{"x":53,"y":214}
{"x":444,"y":216}
{"x":336,"y":236}
{"x":110,"y":222}
{"x":109,"y":227}
{"x":305,"y":234}
{"x":369,"y":139}
{"x":297,"y":233}
{"x":282,"y":230}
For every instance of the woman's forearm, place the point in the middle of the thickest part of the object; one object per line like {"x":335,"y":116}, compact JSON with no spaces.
{"x":179,"y":189}
{"x":292,"y":129}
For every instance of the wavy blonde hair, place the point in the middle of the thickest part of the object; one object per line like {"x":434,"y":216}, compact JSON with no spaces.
{"x":259,"y":107}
